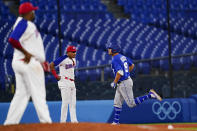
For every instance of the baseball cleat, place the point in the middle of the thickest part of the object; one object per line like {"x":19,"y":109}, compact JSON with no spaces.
{"x":155,"y":95}
{"x":75,"y":122}
{"x":114,"y":123}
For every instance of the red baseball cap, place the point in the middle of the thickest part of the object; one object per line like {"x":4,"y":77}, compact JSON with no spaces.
{"x":71,"y":49}
{"x":26,"y":7}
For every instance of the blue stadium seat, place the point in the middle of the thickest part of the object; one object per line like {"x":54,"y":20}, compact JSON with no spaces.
{"x":88,"y":25}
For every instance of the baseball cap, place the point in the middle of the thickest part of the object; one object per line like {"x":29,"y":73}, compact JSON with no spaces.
{"x":115,"y":47}
{"x":26,"y":7}
{"x":71,"y":49}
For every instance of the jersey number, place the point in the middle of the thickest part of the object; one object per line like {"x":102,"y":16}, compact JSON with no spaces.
{"x":126,"y":67}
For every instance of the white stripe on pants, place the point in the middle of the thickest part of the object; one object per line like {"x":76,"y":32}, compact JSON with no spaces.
{"x":68,"y":98}
{"x":29,"y":82}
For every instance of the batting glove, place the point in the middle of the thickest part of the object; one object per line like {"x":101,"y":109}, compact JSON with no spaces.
{"x":113,"y":85}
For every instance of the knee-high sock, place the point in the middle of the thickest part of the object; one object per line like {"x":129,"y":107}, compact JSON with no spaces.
{"x":117,"y":114}
{"x":140,"y":99}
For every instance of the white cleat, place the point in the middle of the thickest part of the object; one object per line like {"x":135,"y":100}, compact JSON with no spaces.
{"x":113,"y":123}
{"x":75,"y":122}
{"x":155,"y":95}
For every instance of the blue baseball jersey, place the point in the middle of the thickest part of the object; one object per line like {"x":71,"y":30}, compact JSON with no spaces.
{"x":121,"y":63}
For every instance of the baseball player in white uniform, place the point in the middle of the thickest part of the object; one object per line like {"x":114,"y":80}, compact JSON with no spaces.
{"x":26,"y":63}
{"x":66,"y":82}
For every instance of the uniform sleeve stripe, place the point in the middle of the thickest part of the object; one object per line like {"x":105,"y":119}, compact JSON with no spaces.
{"x":19,"y":30}
{"x":59,"y":60}
{"x":15,"y":43}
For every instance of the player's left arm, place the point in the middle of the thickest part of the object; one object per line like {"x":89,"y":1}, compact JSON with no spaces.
{"x":131,"y":65}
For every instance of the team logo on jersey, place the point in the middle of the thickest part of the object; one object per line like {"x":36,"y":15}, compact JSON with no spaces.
{"x":123,"y":58}
{"x":68,"y":66}
{"x":166,"y":110}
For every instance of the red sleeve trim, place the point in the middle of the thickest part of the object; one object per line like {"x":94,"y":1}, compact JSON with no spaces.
{"x":54,"y":73}
{"x":15,"y":43}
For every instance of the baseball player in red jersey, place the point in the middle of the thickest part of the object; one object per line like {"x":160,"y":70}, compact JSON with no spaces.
{"x":26,"y":63}
{"x":66,"y":82}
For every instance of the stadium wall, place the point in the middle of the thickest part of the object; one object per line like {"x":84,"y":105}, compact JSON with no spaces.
{"x":101,"y":111}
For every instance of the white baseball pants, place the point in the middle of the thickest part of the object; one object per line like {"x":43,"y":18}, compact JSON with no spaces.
{"x":29,"y":83}
{"x":124,"y":92}
{"x":68,"y":98}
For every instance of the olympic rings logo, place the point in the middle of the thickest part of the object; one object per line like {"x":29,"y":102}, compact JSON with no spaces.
{"x":166,"y":110}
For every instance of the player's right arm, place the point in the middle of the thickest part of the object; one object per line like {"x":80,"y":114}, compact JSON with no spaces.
{"x":14,"y":39}
{"x":118,"y":71}
{"x":53,"y":71}
{"x":16,"y":44}
{"x":56,"y":63}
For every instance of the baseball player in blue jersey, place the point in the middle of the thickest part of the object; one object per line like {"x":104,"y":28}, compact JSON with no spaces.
{"x":122,"y":66}
{"x":27,"y":58}
{"x":66,"y":82}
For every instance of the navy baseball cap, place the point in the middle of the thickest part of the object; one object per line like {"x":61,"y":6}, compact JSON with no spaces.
{"x":115,"y":47}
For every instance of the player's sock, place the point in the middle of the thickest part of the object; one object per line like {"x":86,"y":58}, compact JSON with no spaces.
{"x":117,"y":114}
{"x":141,"y":99}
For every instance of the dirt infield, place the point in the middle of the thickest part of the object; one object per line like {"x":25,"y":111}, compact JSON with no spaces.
{"x":91,"y":127}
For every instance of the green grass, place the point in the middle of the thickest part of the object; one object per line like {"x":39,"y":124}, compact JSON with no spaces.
{"x":192,"y":129}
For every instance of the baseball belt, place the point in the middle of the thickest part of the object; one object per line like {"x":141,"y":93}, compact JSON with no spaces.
{"x":69,"y":79}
